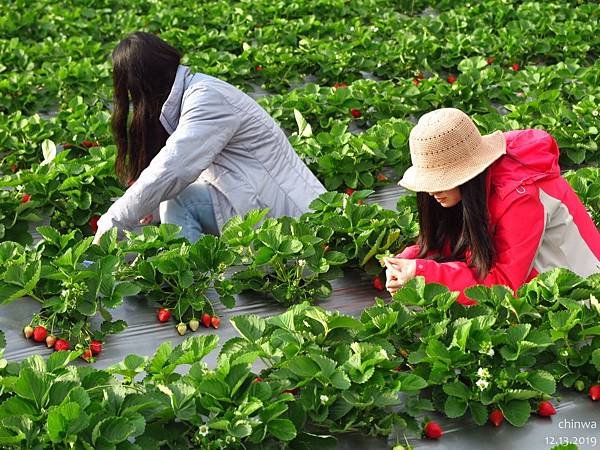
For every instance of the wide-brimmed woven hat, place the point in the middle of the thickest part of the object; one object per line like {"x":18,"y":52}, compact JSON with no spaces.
{"x":447,"y":150}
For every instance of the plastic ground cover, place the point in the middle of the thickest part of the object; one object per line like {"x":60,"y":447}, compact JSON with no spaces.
{"x":577,"y":419}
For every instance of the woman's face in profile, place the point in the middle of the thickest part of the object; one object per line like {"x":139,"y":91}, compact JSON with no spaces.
{"x":448,"y":198}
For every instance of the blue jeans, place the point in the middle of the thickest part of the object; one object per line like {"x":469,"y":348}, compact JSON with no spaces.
{"x":192,"y":210}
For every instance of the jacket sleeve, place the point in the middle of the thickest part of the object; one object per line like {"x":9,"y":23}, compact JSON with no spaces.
{"x":206,"y":124}
{"x":409,"y":252}
{"x":516,"y":239}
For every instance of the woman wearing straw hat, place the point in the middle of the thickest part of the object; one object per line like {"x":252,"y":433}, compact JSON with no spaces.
{"x":492,"y":209}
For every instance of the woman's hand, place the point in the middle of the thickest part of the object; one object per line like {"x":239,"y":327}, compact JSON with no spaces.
{"x":104,"y":225}
{"x":398,"y":272}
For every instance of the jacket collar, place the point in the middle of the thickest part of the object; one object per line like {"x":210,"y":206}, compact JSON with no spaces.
{"x":171,"y":109}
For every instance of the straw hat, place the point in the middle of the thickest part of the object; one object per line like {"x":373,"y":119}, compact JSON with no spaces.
{"x":447,"y":150}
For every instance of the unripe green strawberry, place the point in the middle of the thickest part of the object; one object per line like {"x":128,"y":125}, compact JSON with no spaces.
{"x":28,"y":331}
{"x":181,"y":328}
{"x":194,"y":324}
{"x":579,"y":385}
{"x":50,"y":341}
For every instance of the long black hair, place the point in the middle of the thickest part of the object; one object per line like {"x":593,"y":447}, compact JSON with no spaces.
{"x":463,"y":227}
{"x":144,"y":69}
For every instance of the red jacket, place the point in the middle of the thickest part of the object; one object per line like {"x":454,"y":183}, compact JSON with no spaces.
{"x":536,"y":219}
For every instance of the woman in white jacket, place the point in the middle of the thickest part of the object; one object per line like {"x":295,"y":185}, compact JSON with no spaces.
{"x":195,"y":145}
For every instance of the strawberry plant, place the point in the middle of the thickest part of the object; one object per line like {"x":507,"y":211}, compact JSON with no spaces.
{"x":286,"y":258}
{"x":586,"y":183}
{"x":341,"y":382}
{"x":362,"y":231}
{"x":177,"y":275}
{"x":69,"y":292}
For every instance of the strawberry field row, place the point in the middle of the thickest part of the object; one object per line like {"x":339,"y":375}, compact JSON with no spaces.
{"x":323,"y":373}
{"x":278,"y":46}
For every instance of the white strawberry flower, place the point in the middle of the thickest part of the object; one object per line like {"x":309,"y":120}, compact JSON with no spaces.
{"x":324,"y":399}
{"x":483,"y":373}
{"x":203,"y":430}
{"x":482,"y":384}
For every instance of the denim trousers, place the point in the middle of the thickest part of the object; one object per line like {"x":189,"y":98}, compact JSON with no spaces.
{"x":192,"y":210}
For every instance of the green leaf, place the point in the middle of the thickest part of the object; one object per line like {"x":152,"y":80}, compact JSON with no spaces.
{"x":304,"y":128}
{"x":410,"y":382}
{"x":479,"y":413}
{"x":264,"y":255}
{"x":302,"y":366}
{"x":542,"y":381}
{"x":49,"y":151}
{"x":455,"y":407}
{"x":457,"y":389}
{"x":517,"y":333}
{"x":251,"y":327}
{"x":282,"y":429}
{"x":516,"y":412}
{"x":596,"y":359}
{"x":32,"y":385}
{"x":113,"y":429}
{"x":126,"y":289}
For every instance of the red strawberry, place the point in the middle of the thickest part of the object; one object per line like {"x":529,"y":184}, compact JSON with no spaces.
{"x":14,"y":168}
{"x":545,"y":409}
{"x":490,"y":59}
{"x":94,"y":223}
{"x":61,"y":345}
{"x":416,"y":81}
{"x":259,"y":68}
{"x":360,"y":202}
{"x":516,"y":67}
{"x":206,"y":320}
{"x":163,"y":314}
{"x":381,"y":177}
{"x":50,"y":341}
{"x":89,"y":144}
{"x":340,"y":85}
{"x":377,"y":283}
{"x":355,"y":113}
{"x":595,"y":392}
{"x":25,"y":198}
{"x":193,"y":324}
{"x":28,"y":331}
{"x":433,"y":430}
{"x":40,"y":333}
{"x":87,"y":355}
{"x":95,"y":347}
{"x":349,"y":191}
{"x":496,"y":417}
{"x":452,"y":78}
{"x":420,"y":76}
{"x":215,"y":322}
{"x":257,"y":380}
